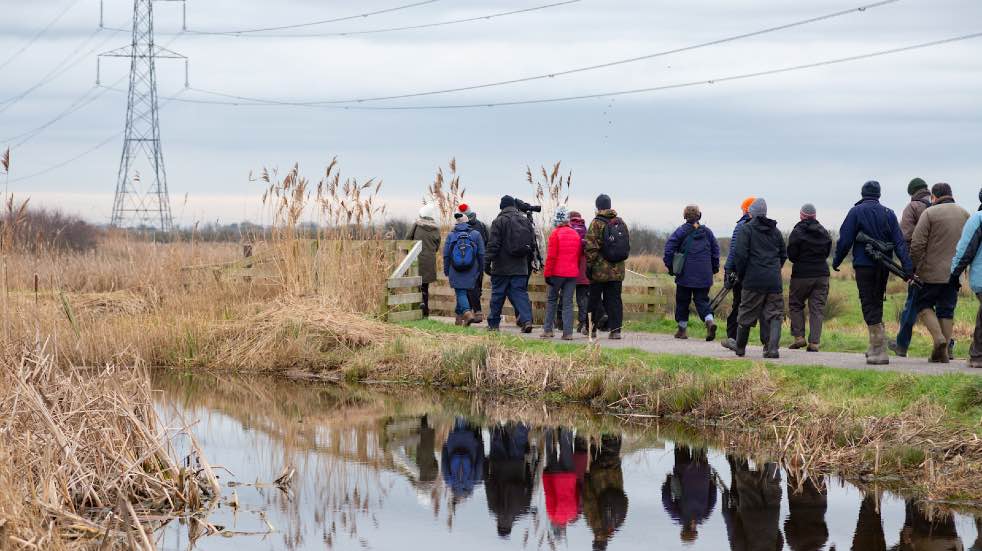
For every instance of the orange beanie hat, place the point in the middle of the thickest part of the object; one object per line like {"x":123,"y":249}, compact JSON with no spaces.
{"x":745,"y":205}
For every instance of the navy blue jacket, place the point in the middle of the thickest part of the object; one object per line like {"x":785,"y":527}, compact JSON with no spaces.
{"x":875,"y":220}
{"x":466,"y":279}
{"x":730,"y":256}
{"x":701,"y":259}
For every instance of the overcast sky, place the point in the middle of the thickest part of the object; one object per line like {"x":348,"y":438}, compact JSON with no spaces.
{"x":813,"y":135}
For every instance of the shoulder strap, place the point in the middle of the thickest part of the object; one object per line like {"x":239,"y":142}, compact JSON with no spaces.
{"x":688,"y":239}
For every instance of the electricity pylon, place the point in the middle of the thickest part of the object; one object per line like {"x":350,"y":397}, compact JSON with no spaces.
{"x":142,"y":201}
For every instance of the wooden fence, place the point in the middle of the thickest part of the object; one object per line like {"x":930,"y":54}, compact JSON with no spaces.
{"x":403,"y":289}
{"x":643,"y":297}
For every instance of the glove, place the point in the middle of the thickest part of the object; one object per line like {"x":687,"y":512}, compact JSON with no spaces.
{"x":955,"y":280}
{"x":835,"y":267}
{"x":729,"y":280}
{"x":487,"y":268}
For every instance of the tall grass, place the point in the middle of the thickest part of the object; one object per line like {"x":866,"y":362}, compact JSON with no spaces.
{"x":446,"y":193}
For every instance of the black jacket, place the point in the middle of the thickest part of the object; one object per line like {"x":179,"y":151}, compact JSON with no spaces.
{"x":500,"y":263}
{"x":480,"y":228}
{"x":760,"y":255}
{"x":809,"y":246}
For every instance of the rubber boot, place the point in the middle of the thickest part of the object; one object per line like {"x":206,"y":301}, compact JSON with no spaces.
{"x":930,"y":321}
{"x":877,"y":346}
{"x":743,"y":336}
{"x":773,"y":347}
{"x":947,"y":329}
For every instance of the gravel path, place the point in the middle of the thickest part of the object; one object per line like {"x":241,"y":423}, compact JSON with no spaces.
{"x":667,"y":344}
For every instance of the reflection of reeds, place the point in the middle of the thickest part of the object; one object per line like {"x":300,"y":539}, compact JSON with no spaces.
{"x":82,"y":459}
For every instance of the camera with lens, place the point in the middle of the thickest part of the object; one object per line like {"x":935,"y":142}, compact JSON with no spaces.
{"x":527,"y":208}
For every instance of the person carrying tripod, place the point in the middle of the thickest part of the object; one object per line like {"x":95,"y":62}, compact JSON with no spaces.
{"x":867,"y":220}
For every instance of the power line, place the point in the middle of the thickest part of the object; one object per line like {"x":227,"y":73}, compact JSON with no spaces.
{"x":393,"y":29}
{"x":39,"y":34}
{"x":615,"y":93}
{"x":314,"y":23}
{"x":716,"y":42}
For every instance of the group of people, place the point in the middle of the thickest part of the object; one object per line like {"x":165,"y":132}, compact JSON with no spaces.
{"x":584,"y":264}
{"x":930,"y":246}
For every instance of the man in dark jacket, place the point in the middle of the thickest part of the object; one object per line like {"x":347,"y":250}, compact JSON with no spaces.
{"x":730,"y":280}
{"x":920,"y":200}
{"x":805,"y":527}
{"x":693,"y":249}
{"x":809,"y":247}
{"x":509,"y":271}
{"x":474,"y":297}
{"x":509,"y":479}
{"x":877,"y":221}
{"x":760,"y":255}
{"x":689,"y":492}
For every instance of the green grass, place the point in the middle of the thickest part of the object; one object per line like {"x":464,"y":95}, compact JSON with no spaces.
{"x":862,"y":392}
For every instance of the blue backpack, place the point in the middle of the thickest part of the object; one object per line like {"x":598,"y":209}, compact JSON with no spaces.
{"x":464,"y":252}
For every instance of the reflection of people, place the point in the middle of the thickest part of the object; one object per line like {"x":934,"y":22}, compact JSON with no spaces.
{"x":426,"y":452}
{"x":869,"y":527}
{"x":509,"y":480}
{"x":921,"y":533}
{"x":463,"y":458}
{"x":559,"y":478}
{"x":689,"y":494}
{"x":805,"y":526}
{"x":604,"y":500}
{"x":977,"y":546}
{"x":752,"y":508}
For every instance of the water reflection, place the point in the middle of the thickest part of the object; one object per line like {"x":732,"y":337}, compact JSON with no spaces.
{"x":379,"y":471}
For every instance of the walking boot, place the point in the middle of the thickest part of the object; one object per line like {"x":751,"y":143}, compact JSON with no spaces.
{"x":900,"y":351}
{"x":773,"y":347}
{"x":813,"y":347}
{"x":878,"y":346}
{"x":526,"y":327}
{"x":467,"y":318}
{"x":939,"y":354}
{"x":582,"y":328}
{"x":615,"y":335}
{"x":547,"y":335}
{"x":460,"y":320}
{"x":975,"y":363}
{"x":710,"y":331}
{"x":478,"y":317}
{"x":743,"y":335}
{"x":682,"y":333}
{"x":799,"y":342}
{"x":947,"y":329}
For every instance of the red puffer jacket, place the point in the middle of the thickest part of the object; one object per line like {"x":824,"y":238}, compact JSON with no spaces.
{"x":563,"y":254}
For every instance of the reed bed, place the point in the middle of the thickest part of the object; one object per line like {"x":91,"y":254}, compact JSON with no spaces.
{"x":85,"y":463}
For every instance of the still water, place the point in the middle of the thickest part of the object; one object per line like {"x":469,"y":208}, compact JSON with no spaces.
{"x":401,"y":470}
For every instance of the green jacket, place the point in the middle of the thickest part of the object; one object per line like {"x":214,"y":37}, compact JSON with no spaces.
{"x":428,"y":232}
{"x":598,"y":269}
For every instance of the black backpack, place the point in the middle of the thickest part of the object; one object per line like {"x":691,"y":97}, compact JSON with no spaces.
{"x":616,"y":245}
{"x":520,"y":240}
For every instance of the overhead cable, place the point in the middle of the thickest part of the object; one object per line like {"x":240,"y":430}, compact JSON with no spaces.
{"x":39,"y":34}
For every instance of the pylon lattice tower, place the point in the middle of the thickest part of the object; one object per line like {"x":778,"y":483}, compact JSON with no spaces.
{"x":142,"y":200}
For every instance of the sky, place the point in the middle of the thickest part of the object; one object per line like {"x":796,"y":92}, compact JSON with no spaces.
{"x":807,"y":136}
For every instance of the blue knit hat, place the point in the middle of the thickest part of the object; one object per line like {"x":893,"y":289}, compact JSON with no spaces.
{"x":562,"y":217}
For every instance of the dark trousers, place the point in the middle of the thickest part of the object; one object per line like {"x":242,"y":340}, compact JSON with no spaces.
{"x":975,"y":353}
{"x":733,"y":320}
{"x":907,"y":319}
{"x":560,"y":299}
{"x":474,"y":295}
{"x":686,"y":295}
{"x":761,"y":305}
{"x":607,"y":294}
{"x":813,"y":292}
{"x":515,"y":289}
{"x":426,"y":299}
{"x":583,"y":303}
{"x":940,"y":297}
{"x":872,"y":285}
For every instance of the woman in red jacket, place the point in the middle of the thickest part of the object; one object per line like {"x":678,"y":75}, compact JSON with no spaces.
{"x":562,"y":270}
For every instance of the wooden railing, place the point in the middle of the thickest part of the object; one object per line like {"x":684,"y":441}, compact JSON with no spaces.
{"x":403,"y":293}
{"x":642,"y":296}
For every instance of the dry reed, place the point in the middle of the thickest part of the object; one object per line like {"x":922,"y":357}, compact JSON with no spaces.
{"x":84,"y":462}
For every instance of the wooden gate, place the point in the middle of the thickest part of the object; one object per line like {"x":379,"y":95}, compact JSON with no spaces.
{"x":403,"y":292}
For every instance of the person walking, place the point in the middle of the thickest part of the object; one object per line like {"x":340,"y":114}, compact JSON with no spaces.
{"x":607,"y":247}
{"x":463,"y":260}
{"x":426,"y":230}
{"x":920,"y":200}
{"x":729,"y":279}
{"x":871,"y":218}
{"x":509,"y":245}
{"x":561,"y":272}
{"x":809,"y":247}
{"x":582,"y":281}
{"x":967,"y":255}
{"x":932,"y":250}
{"x":476,"y":294}
{"x":692,"y":256}
{"x":760,"y":255}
